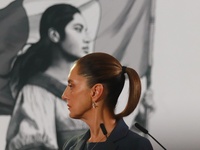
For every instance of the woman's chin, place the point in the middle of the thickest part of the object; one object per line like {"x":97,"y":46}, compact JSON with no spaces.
{"x":73,"y":116}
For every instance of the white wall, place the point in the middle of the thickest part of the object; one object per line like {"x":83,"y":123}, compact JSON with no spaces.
{"x":176,"y":72}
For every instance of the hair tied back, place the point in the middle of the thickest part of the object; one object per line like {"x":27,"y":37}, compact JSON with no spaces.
{"x":124,"y":69}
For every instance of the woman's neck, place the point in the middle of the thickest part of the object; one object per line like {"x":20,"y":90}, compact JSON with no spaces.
{"x":100,"y":117}
{"x":59,"y":71}
{"x":60,"y":66}
{"x":100,"y":134}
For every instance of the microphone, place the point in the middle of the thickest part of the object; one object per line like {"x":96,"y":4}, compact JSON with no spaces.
{"x":109,"y":144}
{"x":137,"y":125}
{"x":103,"y":129}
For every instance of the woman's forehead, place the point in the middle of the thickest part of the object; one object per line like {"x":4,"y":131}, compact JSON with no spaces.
{"x":75,"y":77}
{"x":78,"y":19}
{"x":73,"y":72}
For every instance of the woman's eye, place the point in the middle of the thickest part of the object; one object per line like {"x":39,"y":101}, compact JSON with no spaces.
{"x":78,"y":29}
{"x":70,"y":86}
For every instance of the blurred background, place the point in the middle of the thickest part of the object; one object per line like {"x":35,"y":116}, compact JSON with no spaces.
{"x":176,"y":68}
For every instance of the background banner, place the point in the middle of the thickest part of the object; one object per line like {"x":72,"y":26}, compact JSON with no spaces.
{"x":121,"y":28}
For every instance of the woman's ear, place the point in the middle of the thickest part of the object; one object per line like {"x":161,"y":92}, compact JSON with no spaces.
{"x":97,"y":92}
{"x":53,"y":34}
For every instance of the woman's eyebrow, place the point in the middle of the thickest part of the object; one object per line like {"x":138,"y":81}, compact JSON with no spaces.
{"x":78,"y":24}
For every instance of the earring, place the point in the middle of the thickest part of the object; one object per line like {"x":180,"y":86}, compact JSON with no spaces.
{"x":94,"y":105}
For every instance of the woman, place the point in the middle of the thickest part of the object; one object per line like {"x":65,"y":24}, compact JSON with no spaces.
{"x":40,"y":118}
{"x":94,"y":85}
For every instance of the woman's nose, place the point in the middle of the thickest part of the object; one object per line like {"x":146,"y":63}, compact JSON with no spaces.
{"x":64,"y":95}
{"x":87,"y":38}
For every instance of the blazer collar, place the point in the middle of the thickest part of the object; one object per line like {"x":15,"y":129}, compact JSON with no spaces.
{"x":120,"y":131}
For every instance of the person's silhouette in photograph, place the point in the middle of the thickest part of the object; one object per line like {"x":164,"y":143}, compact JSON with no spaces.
{"x":40,"y":117}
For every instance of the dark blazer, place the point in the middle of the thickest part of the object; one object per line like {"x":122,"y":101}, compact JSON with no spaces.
{"x":121,"y":138}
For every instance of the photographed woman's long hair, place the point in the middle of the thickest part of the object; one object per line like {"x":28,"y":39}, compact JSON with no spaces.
{"x":38,"y":56}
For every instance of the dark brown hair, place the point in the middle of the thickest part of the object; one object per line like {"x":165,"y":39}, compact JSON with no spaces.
{"x":107,"y":70}
{"x":40,"y":54}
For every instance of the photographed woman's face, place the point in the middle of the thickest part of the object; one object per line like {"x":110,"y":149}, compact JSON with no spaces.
{"x":76,"y":42}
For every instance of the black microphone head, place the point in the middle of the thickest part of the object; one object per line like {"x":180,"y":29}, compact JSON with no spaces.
{"x":103,"y":129}
{"x":137,"y":125}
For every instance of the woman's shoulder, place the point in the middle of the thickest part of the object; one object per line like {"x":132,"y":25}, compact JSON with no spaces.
{"x":138,"y":141}
{"x":34,"y":90}
{"x":36,"y":93}
{"x":47,"y":83}
{"x":129,"y":139}
{"x":134,"y":135}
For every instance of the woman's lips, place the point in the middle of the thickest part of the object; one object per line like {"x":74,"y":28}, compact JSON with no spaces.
{"x":86,"y":49}
{"x":68,"y":106}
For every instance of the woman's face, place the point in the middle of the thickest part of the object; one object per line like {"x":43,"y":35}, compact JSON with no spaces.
{"x":78,"y":95}
{"x":76,"y":42}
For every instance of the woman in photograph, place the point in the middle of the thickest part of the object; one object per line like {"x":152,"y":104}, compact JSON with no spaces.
{"x":40,"y":118}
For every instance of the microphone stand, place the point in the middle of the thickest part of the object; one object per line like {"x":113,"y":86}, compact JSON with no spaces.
{"x":157,"y":141}
{"x":145,"y":131}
